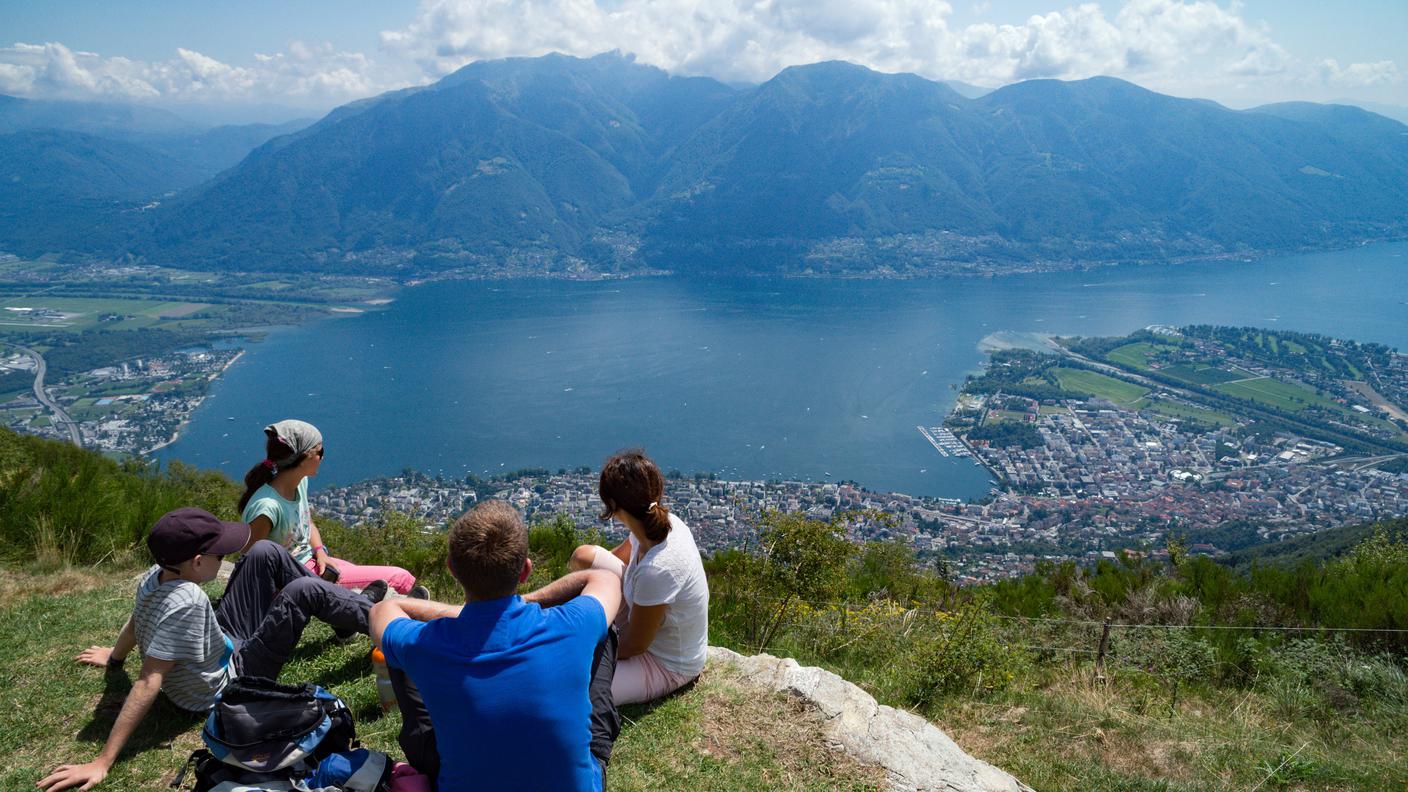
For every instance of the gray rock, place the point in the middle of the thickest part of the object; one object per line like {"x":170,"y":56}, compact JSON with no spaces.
{"x":916,"y":755}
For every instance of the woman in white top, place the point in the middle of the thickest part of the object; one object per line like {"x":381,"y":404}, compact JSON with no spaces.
{"x":664,"y":622}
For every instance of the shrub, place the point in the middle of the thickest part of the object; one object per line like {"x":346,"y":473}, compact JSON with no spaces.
{"x":965,"y":653}
{"x":395,"y":539}
{"x":60,"y":504}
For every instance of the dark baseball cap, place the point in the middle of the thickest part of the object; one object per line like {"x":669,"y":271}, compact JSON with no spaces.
{"x":183,"y":534}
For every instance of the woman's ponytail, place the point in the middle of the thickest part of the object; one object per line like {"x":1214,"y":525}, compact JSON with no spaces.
{"x":263,"y":473}
{"x":656,"y":522}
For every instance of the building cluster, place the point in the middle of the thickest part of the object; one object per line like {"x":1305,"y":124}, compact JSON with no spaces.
{"x":134,"y":407}
{"x":1103,"y":480}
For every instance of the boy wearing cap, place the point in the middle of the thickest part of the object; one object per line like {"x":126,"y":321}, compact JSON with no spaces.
{"x":189,"y":649}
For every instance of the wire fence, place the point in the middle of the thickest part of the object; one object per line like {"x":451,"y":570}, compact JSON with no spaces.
{"x":853,"y":605}
{"x":833,"y":628}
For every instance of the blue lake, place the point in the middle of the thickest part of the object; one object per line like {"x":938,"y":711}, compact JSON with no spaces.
{"x":748,"y":378}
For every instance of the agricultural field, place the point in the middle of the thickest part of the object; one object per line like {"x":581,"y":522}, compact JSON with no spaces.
{"x":1188,"y":411}
{"x":1119,"y":392}
{"x":1136,"y":354}
{"x":1276,"y":394}
{"x":1203,"y":374}
{"x":76,"y":314}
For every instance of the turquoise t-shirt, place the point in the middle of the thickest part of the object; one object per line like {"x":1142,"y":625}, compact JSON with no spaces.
{"x":291,"y":519}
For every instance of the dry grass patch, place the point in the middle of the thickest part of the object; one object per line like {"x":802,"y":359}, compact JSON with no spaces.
{"x":17,"y":585}
{"x":739,"y":719}
{"x":725,"y":734}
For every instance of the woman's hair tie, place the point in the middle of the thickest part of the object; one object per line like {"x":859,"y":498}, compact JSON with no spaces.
{"x":652,"y":505}
{"x":269,"y":463}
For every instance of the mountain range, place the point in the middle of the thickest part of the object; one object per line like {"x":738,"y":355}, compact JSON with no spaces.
{"x":561,"y":164}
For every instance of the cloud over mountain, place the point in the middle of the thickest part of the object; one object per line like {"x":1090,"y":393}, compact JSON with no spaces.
{"x":1186,"y":47}
{"x":302,"y":73}
{"x":1183,"y":47}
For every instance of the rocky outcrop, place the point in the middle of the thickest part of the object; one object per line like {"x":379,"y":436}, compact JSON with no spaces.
{"x":916,"y":755}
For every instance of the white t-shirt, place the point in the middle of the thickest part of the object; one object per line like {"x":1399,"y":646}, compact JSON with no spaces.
{"x":671,"y":573}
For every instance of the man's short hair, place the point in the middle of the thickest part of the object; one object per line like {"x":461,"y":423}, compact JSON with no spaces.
{"x":488,"y":546}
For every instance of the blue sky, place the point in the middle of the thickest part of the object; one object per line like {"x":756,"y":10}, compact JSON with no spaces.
{"x":315,"y":54}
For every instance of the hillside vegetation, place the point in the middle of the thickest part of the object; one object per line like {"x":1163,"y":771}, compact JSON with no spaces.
{"x":1137,"y":674}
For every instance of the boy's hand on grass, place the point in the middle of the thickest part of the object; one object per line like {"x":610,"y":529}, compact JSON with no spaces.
{"x":84,"y":776}
{"x":95,"y":655}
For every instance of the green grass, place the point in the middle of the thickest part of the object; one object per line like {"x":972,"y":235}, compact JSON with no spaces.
{"x":1176,"y":410}
{"x":1005,"y":415}
{"x":1099,"y":385}
{"x":1058,"y":729}
{"x":1276,"y":394}
{"x":1136,"y":354}
{"x":1201,"y":375}
{"x":82,"y":313}
{"x":717,"y":735}
{"x":1067,"y":732}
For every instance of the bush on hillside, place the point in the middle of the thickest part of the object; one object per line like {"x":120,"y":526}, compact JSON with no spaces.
{"x":394,"y":539}
{"x":60,"y":504}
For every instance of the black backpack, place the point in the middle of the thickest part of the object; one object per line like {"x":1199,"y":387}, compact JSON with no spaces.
{"x":260,"y":731}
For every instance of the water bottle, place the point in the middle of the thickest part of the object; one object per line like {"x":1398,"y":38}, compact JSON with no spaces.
{"x":384,"y":692}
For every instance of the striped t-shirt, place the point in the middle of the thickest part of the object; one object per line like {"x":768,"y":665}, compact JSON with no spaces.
{"x":174,"y":621}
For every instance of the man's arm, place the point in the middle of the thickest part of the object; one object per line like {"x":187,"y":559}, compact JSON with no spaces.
{"x":134,"y":709}
{"x":562,"y":589}
{"x":596,"y":583}
{"x":387,"y":611}
{"x":101,"y":655}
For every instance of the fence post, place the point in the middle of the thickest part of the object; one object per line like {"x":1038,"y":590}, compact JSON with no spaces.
{"x":1100,"y":655}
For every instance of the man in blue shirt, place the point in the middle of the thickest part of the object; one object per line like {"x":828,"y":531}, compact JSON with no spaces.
{"x":517,"y":689}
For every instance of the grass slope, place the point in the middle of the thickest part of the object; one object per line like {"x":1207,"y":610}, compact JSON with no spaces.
{"x":1098,"y":385}
{"x":717,"y":735}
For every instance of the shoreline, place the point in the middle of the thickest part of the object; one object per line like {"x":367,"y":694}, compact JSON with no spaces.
{"x":176,"y":435}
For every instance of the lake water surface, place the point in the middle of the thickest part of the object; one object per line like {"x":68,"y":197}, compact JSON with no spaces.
{"x":748,"y":378}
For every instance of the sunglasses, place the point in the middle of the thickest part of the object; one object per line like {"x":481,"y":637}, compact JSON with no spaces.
{"x":321,"y":451}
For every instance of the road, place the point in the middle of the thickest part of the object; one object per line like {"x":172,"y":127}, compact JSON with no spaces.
{"x":61,"y":419}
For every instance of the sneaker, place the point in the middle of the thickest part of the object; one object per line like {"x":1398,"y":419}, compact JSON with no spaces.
{"x":419,"y":592}
{"x":375,"y":591}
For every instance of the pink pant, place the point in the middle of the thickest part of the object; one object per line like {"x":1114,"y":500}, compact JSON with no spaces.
{"x":354,"y":576}
{"x":643,"y":677}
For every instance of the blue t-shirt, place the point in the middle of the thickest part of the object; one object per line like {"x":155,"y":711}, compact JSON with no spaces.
{"x":506,"y":686}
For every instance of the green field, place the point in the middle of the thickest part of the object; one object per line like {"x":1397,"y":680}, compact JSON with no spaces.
{"x":83,"y":313}
{"x":1136,"y":354}
{"x":1177,"y":410}
{"x":1276,"y":394}
{"x":1099,"y":385}
{"x":1202,"y":375}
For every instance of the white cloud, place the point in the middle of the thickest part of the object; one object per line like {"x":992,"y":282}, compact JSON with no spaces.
{"x":1187,"y":47}
{"x":1184,"y":46}
{"x":303,"y":74}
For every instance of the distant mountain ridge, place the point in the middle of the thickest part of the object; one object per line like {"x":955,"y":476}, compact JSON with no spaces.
{"x":561,"y":164}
